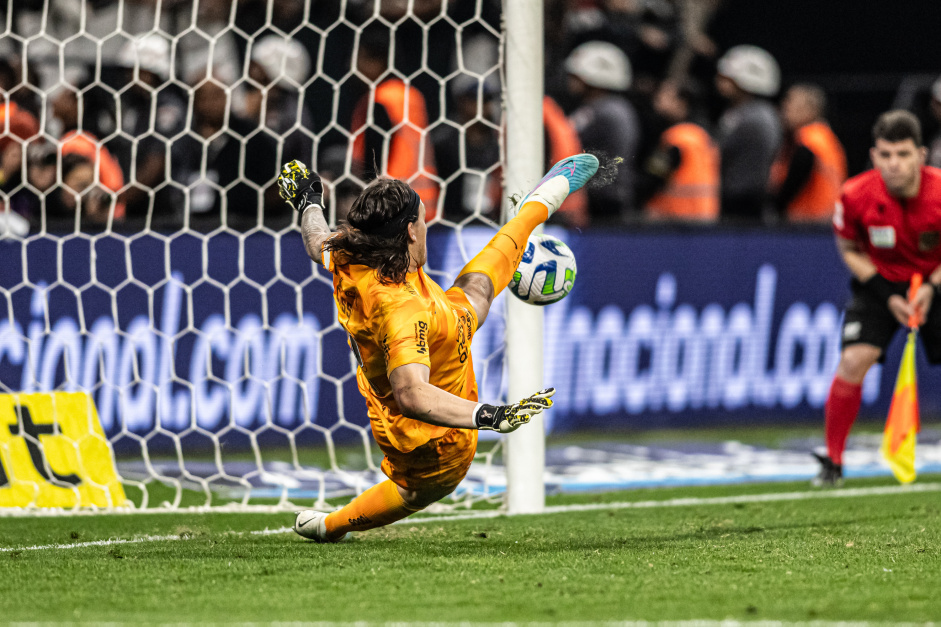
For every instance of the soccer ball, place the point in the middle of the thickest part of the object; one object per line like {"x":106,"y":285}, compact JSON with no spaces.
{"x":546,"y":273}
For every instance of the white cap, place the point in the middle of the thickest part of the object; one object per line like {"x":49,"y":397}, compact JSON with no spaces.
{"x":753,"y":69}
{"x":282,"y":58}
{"x":600,"y":64}
{"x":151,"y":53}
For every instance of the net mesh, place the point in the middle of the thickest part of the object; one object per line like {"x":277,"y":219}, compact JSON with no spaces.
{"x":147,"y":259}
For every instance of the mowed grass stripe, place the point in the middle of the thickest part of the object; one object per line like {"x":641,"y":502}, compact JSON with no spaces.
{"x":555,"y":509}
{"x":626,"y":623}
{"x":870,"y":560}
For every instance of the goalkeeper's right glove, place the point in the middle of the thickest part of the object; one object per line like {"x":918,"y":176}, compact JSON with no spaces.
{"x":299,"y":186}
{"x":507,"y":418}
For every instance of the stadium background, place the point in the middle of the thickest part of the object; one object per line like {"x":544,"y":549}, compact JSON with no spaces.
{"x":660,"y":504}
{"x":751,"y":296}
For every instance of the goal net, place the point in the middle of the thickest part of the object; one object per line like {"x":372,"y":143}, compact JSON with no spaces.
{"x":148,"y":263}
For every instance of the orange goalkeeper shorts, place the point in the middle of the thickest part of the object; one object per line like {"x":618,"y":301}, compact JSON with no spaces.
{"x":442,"y":462}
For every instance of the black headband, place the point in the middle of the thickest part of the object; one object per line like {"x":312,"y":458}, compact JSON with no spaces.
{"x":407,"y":214}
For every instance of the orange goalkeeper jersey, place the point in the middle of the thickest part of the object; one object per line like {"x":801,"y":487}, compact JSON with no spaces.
{"x":393,"y":325}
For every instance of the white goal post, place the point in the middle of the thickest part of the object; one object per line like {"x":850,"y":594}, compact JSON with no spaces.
{"x":164,"y":340}
{"x":525,"y":448}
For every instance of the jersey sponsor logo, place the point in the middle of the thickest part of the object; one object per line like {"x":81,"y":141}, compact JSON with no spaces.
{"x":882,"y":236}
{"x":928,"y":240}
{"x":54,"y":453}
{"x":421,"y":337}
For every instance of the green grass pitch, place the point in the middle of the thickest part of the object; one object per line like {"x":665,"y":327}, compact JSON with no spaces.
{"x":840,"y":557}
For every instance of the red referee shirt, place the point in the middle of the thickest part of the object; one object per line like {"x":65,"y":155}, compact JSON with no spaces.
{"x":900,"y":236}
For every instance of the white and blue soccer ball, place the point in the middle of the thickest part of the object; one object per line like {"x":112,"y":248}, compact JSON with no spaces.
{"x":546,"y":273}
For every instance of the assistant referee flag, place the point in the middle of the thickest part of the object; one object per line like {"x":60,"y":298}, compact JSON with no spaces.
{"x":901,"y":427}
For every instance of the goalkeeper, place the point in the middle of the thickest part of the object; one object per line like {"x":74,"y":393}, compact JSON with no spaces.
{"x":412,"y":339}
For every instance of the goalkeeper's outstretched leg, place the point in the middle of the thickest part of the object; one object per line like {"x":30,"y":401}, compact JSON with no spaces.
{"x":424,"y":417}
{"x":488,"y":273}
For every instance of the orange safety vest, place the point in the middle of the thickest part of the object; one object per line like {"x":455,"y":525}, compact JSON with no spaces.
{"x":692,"y":193}
{"x":410,"y":158}
{"x":815,"y":202}
{"x":15,"y":122}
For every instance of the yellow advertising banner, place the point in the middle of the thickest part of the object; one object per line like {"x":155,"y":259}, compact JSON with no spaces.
{"x":54,"y":453}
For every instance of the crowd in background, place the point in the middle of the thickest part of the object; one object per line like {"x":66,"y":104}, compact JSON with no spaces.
{"x":180,"y":117}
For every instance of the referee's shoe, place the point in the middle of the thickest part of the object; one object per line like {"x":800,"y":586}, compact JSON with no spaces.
{"x":830,"y":476}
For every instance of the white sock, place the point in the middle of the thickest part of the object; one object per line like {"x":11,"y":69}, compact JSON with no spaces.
{"x":552,"y":193}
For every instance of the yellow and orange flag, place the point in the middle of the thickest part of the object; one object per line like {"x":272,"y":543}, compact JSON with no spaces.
{"x":901,"y":427}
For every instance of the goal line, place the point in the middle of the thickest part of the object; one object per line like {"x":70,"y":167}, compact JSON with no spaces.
{"x":449,"y":515}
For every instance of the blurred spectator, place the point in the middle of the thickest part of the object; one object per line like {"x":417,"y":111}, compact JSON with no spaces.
{"x":279,"y":68}
{"x":478,"y":186}
{"x":80,"y":192}
{"x":41,"y":165}
{"x":811,"y":165}
{"x":934,"y":145}
{"x":472,"y":186}
{"x":606,"y":122}
{"x":17,"y":126}
{"x":65,"y":34}
{"x":394,"y":10}
{"x":152,"y":114}
{"x":684,"y":170}
{"x":562,"y":141}
{"x":107,"y":172}
{"x":213,"y":46}
{"x":226,"y":175}
{"x":467,"y":149}
{"x":339,"y":190}
{"x":650,"y":32}
{"x":749,"y":129}
{"x":646,"y":30}
{"x":394,"y":137}
{"x":41,"y":158}
{"x":695,"y":46}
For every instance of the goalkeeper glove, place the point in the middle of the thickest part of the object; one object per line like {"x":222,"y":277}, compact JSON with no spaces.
{"x":300,"y":187}
{"x":507,"y":418}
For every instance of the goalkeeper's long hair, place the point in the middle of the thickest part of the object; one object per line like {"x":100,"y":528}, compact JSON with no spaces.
{"x":378,"y":204}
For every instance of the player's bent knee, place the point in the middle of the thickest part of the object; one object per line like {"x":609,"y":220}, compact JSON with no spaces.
{"x":856,"y":361}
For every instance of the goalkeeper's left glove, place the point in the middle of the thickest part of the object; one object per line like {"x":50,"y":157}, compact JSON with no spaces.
{"x":299,"y":186}
{"x":507,"y":418}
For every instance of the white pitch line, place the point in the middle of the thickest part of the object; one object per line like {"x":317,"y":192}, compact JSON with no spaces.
{"x":556,"y":509}
{"x":138,"y":540}
{"x":691,"y":501}
{"x":753,"y":498}
{"x":80,"y":545}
